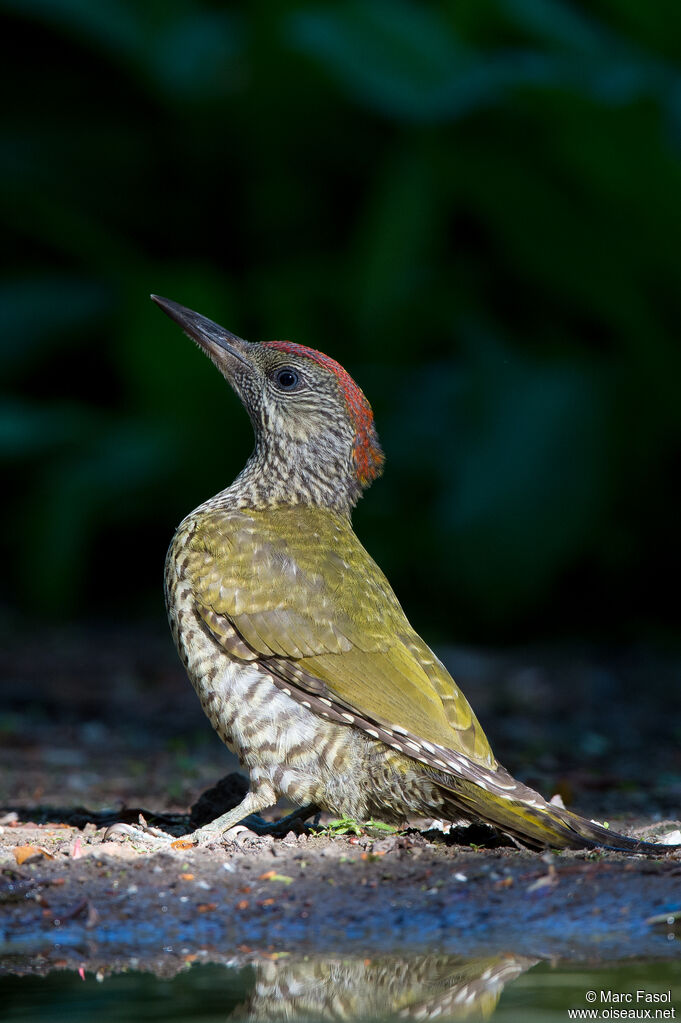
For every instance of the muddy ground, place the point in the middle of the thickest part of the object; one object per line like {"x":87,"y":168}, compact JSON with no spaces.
{"x":100,"y":725}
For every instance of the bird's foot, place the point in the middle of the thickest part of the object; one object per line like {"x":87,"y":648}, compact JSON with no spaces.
{"x":219,"y":830}
{"x":253,"y":824}
{"x":154,"y":839}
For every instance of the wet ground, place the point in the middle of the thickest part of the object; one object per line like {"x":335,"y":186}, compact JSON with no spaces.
{"x":101,"y":725}
{"x":78,"y":896}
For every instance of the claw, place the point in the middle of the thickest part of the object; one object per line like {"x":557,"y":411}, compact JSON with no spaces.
{"x":251,"y":825}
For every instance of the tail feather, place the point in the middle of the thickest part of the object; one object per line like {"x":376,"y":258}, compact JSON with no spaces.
{"x":522,"y":814}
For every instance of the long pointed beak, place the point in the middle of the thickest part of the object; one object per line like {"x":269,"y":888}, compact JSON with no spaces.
{"x":214,"y":339}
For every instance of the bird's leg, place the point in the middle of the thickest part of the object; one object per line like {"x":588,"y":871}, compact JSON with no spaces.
{"x":254,"y":801}
{"x":246,"y":814}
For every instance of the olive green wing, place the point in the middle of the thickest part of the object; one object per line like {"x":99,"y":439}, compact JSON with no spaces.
{"x":296,"y":591}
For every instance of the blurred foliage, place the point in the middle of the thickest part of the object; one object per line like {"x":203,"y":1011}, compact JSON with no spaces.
{"x":474,"y":206}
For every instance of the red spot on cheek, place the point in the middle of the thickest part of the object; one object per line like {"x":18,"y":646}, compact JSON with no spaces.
{"x":367,"y":452}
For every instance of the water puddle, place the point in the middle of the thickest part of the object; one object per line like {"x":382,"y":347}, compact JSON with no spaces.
{"x":179,"y":986}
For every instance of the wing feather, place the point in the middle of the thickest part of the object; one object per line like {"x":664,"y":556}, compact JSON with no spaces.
{"x":295,"y":588}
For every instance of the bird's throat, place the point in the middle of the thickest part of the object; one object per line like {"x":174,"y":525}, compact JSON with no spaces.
{"x":273,"y":479}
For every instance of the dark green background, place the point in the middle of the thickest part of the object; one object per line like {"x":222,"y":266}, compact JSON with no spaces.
{"x":474,"y":206}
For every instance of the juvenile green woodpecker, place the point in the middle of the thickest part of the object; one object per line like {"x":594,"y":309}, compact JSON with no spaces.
{"x":298,"y":649}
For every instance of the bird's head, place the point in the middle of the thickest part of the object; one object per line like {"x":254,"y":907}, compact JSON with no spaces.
{"x":315,"y":436}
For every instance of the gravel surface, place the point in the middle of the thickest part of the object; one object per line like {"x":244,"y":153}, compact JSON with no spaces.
{"x":100,"y":725}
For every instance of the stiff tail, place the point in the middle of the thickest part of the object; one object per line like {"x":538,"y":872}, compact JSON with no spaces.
{"x":522,"y":814}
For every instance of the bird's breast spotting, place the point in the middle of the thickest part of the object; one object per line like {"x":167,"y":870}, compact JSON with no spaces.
{"x":287,"y":747}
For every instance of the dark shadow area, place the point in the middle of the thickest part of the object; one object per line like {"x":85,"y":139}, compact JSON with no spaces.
{"x":475,"y":211}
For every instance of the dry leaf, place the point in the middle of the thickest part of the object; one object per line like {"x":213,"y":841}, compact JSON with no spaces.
{"x":271,"y":875}
{"x":671,"y":838}
{"x":22,"y":853}
{"x":182,"y":843}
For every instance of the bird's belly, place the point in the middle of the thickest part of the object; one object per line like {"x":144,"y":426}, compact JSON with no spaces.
{"x":287,"y":748}
{"x":283,"y":744}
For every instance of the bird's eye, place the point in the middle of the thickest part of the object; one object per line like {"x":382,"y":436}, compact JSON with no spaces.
{"x":286,"y":378}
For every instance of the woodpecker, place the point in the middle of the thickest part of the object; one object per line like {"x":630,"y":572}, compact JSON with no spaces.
{"x":293,"y":639}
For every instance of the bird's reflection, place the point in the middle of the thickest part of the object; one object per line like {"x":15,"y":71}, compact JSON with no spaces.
{"x":419,"y":988}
